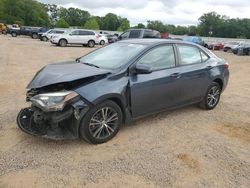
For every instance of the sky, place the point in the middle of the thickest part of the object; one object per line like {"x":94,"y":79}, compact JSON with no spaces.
{"x":177,"y":12}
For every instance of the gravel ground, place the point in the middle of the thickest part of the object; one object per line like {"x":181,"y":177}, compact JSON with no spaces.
{"x":188,"y":147}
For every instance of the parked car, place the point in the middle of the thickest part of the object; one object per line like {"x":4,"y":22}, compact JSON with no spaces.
{"x":228,"y":47}
{"x":76,"y":36}
{"x":139,"y":33}
{"x":24,"y":30}
{"x":102,"y":39}
{"x":35,"y":34}
{"x":112,"y":38}
{"x":196,"y":40}
{"x":51,"y":33}
{"x":119,"y":83}
{"x":242,"y":49}
{"x":216,"y":46}
{"x":3,"y":28}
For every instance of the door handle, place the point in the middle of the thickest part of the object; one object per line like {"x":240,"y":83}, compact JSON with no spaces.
{"x":176,"y":75}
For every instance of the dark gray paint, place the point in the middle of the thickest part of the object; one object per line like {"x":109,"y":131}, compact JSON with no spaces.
{"x":140,"y":94}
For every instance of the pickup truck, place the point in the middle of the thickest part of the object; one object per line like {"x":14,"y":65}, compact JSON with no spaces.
{"x":25,"y":30}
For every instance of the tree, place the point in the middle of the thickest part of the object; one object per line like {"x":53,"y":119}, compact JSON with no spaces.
{"x":73,"y":16}
{"x":124,"y":25}
{"x":111,"y":22}
{"x":91,"y":23}
{"x":140,"y":25}
{"x":156,"y":25}
{"x":61,"y":23}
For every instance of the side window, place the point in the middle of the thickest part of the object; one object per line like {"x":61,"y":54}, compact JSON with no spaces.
{"x":204,"y":56}
{"x":125,"y":35}
{"x":189,"y":55}
{"x":159,"y":57}
{"x":147,"y":34}
{"x":76,"y":32}
{"x":134,"y":34}
{"x":83,"y":33}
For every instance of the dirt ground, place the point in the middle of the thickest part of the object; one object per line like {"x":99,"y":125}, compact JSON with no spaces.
{"x":188,"y":147}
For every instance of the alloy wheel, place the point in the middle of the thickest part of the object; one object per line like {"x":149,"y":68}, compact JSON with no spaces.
{"x":213,"y":96}
{"x":104,"y":123}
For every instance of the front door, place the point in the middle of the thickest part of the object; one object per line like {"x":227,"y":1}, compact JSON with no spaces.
{"x":159,"y":89}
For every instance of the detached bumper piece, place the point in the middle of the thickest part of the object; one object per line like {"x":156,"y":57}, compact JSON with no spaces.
{"x":52,"y":125}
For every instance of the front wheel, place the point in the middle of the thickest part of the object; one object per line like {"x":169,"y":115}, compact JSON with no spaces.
{"x":63,"y":43}
{"x":212,"y":97}
{"x":101,"y":123}
{"x":13,"y":34}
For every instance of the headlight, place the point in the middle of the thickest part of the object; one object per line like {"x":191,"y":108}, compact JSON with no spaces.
{"x":53,"y":101}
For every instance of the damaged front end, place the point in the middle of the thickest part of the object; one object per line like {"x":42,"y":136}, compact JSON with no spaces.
{"x":56,"y":109}
{"x":53,"y":115}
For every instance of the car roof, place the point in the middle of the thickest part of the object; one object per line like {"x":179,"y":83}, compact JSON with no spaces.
{"x":153,"y":42}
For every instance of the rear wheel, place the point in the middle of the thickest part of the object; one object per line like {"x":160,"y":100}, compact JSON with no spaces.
{"x":34,"y":36}
{"x":212,"y":97}
{"x":63,"y":43}
{"x":101,"y":123}
{"x":44,"y":38}
{"x":13,"y":34}
{"x":91,"y":44}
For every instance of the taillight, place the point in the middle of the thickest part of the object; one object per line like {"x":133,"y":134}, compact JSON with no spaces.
{"x":226,"y":65}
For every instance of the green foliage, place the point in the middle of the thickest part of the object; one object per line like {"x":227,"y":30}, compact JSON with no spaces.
{"x":27,"y":12}
{"x":110,"y":22}
{"x":33,"y":13}
{"x":124,"y":25}
{"x":61,"y":23}
{"x":91,"y":23}
{"x":74,"y":16}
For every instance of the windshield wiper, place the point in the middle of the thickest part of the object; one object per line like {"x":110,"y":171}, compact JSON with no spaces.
{"x":92,"y":65}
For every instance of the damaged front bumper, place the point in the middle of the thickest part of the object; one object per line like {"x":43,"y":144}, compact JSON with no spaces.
{"x":56,"y":125}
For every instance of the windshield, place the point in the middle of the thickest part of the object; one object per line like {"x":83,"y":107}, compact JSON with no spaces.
{"x":112,"y":56}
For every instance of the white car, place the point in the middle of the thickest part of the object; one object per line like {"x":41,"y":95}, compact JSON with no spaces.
{"x":51,"y":33}
{"x":102,"y":40}
{"x":76,"y":36}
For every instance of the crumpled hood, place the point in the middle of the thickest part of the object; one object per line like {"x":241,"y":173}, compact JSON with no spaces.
{"x":63,"y":72}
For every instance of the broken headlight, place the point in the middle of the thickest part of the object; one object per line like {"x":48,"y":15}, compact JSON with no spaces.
{"x":53,"y":101}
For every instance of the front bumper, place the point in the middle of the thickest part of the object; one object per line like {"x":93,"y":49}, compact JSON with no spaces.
{"x":57,"y":125}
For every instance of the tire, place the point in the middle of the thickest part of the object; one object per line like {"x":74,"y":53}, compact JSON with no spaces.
{"x":102,"y":42}
{"x":62,"y":43}
{"x":44,"y":38}
{"x":101,"y":123}
{"x":212,"y":97}
{"x":91,"y":44}
{"x":34,"y":36}
{"x":13,"y":34}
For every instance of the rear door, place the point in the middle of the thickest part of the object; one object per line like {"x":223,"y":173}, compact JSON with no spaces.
{"x":194,"y":64}
{"x":161,"y":88}
{"x":135,"y":34}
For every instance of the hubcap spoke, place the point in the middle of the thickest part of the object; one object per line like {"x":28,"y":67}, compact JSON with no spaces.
{"x":103,"y":123}
{"x":213,"y":96}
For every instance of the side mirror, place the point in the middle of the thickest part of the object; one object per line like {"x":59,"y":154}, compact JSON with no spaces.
{"x":143,"y":69}
{"x":120,"y":37}
{"x":70,"y":34}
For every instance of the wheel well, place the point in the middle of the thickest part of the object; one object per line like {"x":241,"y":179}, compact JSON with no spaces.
{"x":91,"y":40}
{"x":119,"y":103}
{"x":219,"y":81}
{"x":63,"y":39}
